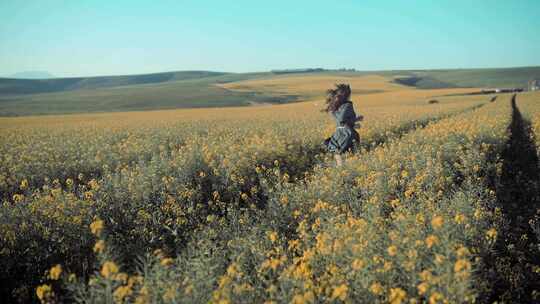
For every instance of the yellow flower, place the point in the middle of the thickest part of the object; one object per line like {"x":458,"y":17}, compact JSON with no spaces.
{"x":170,"y":294}
{"x":122,"y":276}
{"x":422,"y":288}
{"x":358,"y":264}
{"x":166,"y":262}
{"x":55,"y":272}
{"x":462,"y":265}
{"x":478,"y":214}
{"x":93,"y":184}
{"x":298,"y":299}
{"x":142,"y":299}
{"x":459,"y":218}
{"x":121,"y":292}
{"x":144,"y":291}
{"x":137,"y":279}
{"x":376,"y":288}
{"x":340,"y":292}
{"x":426,"y":275}
{"x":439,"y":259}
{"x":44,"y":291}
{"x":397,"y":295}
{"x":431,"y":240}
{"x":302,"y":271}
{"x":18,"y":198}
{"x":88,"y":195}
{"x":271,"y":263}
{"x":392,"y":250}
{"x":435,"y":298}
{"x":412,"y":254}
{"x":409,"y":193}
{"x":437,"y":222}
{"x":99,"y":246}
{"x":273,"y":236}
{"x":462,"y":251}
{"x":491,"y":234}
{"x":109,"y":268}
{"x":285,"y":177}
{"x":307,"y":297}
{"x":188,"y":290}
{"x":159,"y":253}
{"x":24,"y":184}
{"x":96,"y":227}
{"x":232,"y":270}
{"x":293,"y":244}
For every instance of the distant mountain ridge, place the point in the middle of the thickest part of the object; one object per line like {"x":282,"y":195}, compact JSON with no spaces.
{"x":32,"y":75}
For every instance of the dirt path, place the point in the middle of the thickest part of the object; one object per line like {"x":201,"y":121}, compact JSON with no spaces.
{"x":513,"y":268}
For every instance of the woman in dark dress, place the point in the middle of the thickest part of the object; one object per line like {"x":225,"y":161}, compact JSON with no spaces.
{"x":345,"y":138}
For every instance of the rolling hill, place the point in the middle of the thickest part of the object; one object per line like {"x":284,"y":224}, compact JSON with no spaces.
{"x":488,"y":78}
{"x":32,"y":86}
{"x":127,"y":93}
{"x":196,"y":89}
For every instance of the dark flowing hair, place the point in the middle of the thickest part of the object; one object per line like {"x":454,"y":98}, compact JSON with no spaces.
{"x":336,"y":97}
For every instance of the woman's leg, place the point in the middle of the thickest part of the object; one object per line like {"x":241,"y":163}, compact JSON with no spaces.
{"x":339,"y":160}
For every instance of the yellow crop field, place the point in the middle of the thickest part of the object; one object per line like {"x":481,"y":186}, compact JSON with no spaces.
{"x":315,"y":86}
{"x":267,"y":152}
{"x":243,"y":205}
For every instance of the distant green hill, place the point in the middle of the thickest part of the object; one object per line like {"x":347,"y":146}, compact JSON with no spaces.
{"x":483,"y":78}
{"x":190,"y":89}
{"x":32,"y":86}
{"x":423,"y":82}
{"x":128,"y":93}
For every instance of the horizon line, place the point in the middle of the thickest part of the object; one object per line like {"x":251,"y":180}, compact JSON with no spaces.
{"x":343,"y":69}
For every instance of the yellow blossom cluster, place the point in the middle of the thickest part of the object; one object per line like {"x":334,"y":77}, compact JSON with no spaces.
{"x":248,"y":207}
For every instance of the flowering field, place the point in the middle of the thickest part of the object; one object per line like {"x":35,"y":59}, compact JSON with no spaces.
{"x":242,"y":205}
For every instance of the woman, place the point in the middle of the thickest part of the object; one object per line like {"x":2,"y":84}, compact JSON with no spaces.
{"x":345,"y":138}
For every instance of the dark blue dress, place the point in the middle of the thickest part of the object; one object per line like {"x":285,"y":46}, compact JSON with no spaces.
{"x":345,"y":138}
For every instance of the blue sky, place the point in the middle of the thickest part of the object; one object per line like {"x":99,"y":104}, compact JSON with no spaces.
{"x":83,"y":37}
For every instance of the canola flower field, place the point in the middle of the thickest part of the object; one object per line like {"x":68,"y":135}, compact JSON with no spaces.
{"x":242,"y":205}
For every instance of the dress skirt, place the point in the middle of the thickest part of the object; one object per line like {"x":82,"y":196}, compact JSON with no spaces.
{"x":344,"y":139}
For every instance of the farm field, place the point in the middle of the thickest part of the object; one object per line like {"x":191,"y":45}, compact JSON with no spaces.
{"x":202,"y":89}
{"x":241,"y":204}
